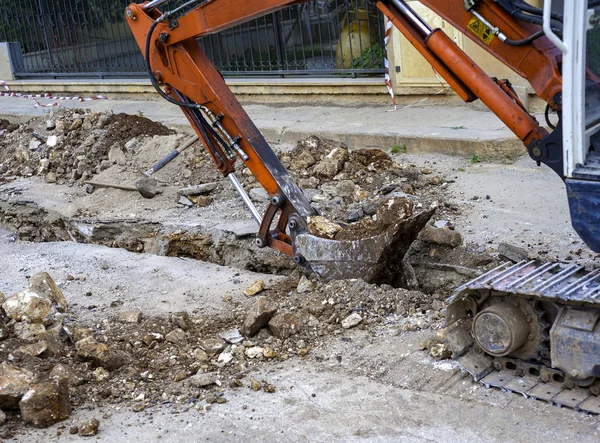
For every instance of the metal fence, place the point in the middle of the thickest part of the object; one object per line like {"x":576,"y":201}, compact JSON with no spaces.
{"x":79,"y":38}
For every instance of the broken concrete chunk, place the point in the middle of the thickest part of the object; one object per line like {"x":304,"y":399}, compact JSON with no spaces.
{"x":441,"y":351}
{"x":305,"y":285}
{"x":184,"y":201}
{"x":393,"y":210}
{"x":130,"y":317}
{"x":202,"y":189}
{"x":201,"y":380}
{"x":46,"y":403}
{"x":259,"y":316}
{"x":513,"y":253}
{"x":232,"y":336}
{"x":284,"y":325}
{"x":254,"y":352}
{"x":322,"y":227}
{"x":61,"y":371}
{"x":175,"y":336}
{"x":213,"y":346}
{"x":182,"y":320}
{"x":29,"y":306}
{"x":14,"y":383}
{"x":116,"y":155}
{"x":441,"y":236}
{"x":200,"y":355}
{"x":351,"y":321}
{"x":255,"y":288}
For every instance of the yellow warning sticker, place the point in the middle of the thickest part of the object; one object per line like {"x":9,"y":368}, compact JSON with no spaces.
{"x":481,"y":30}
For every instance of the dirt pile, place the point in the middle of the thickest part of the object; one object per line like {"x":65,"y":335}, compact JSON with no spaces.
{"x":69,"y":145}
{"x":183,"y":360}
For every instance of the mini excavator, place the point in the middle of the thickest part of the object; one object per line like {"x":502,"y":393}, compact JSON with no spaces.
{"x":530,"y":327}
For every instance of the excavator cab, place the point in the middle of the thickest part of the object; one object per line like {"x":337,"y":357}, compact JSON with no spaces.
{"x":580,"y":46}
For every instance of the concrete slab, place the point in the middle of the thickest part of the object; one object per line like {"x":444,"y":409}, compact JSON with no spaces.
{"x":457,"y":130}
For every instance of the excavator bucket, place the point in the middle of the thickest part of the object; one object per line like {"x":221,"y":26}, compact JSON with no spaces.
{"x":375,"y":259}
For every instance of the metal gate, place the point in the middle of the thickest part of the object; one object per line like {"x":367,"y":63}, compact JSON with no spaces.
{"x":89,"y":38}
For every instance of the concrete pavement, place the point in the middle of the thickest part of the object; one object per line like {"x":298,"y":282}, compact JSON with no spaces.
{"x":457,"y":130}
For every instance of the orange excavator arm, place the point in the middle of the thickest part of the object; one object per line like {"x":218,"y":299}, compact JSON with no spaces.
{"x":183,"y":74}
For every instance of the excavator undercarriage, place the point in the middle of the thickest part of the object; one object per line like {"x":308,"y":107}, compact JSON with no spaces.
{"x":532,"y":328}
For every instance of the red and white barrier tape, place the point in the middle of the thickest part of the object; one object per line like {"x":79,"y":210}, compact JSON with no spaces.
{"x":36,"y":97}
{"x":386,"y":63}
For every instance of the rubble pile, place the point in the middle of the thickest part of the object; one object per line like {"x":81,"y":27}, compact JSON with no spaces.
{"x":51,"y":363}
{"x":71,"y":145}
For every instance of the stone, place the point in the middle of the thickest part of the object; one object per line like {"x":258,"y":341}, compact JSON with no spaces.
{"x":342,"y":188}
{"x":370,"y":206}
{"x":442,"y":224}
{"x":52,"y":141}
{"x":414,"y":323}
{"x":176,"y":336}
{"x":33,"y":349}
{"x":116,"y":155}
{"x":203,"y":189}
{"x":322,"y":227}
{"x":184,"y":201}
{"x":302,"y":161}
{"x":254,"y":352}
{"x":34,"y":144}
{"x":101,"y":374}
{"x":14,"y":383}
{"x":259,"y":195}
{"x":320,"y":197}
{"x":225,"y":358}
{"x":513,"y":253}
{"x":305,"y":285}
{"x":29,"y":331}
{"x":46,"y":403}
{"x":50,"y":124}
{"x":2,"y":418}
{"x":200,"y":355}
{"x":132,"y":144}
{"x":328,"y":168}
{"x":203,"y":380}
{"x":29,"y":306}
{"x":441,"y":351}
{"x":351,"y":321}
{"x":80,"y":332}
{"x":89,"y":428}
{"x":232,"y":336}
{"x":213,"y":346}
{"x":100,"y":355}
{"x":354,"y":215}
{"x":393,"y":210}
{"x":441,"y":236}
{"x":61,"y":371}
{"x":203,"y":201}
{"x":255,"y":385}
{"x":259,"y":316}
{"x":182,"y":320}
{"x":255,"y":288}
{"x":269,"y":353}
{"x":152,"y":337}
{"x":130,"y":317}
{"x":50,"y":177}
{"x":284,"y":325}
{"x":374,"y":159}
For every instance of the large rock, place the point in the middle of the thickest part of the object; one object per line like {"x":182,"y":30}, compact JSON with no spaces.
{"x":284,"y":325}
{"x":393,"y":210}
{"x":302,"y":161}
{"x":259,"y":316}
{"x":14,"y":383}
{"x":46,"y":403}
{"x":441,"y":236}
{"x":342,"y":188}
{"x":44,"y":285}
{"x":29,"y":306}
{"x":100,"y":355}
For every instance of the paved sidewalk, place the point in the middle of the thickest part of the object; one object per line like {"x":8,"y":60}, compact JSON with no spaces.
{"x":459,"y":130}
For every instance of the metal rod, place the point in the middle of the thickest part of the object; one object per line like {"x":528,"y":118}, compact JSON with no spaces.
{"x":413,"y":17}
{"x":240,"y":189}
{"x":154,"y":4}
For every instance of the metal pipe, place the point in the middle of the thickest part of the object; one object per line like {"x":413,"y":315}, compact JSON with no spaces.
{"x":154,"y":4}
{"x":240,"y":189}
{"x":413,"y":17}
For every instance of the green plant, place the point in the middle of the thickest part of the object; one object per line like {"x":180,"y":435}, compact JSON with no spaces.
{"x":371,"y":58}
{"x":475,"y":159}
{"x":461,"y":169}
{"x":140,"y":113}
{"x":396,"y":149}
